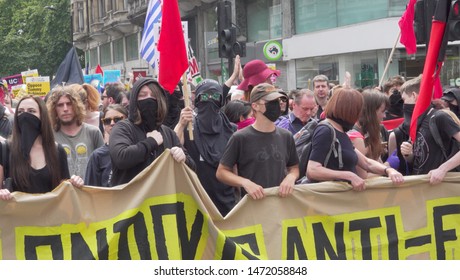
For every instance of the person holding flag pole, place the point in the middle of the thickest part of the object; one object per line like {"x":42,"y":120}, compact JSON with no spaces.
{"x":172,"y":49}
{"x":427,"y":155}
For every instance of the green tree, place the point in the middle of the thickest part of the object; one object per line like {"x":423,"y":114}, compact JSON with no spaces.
{"x":33,"y":36}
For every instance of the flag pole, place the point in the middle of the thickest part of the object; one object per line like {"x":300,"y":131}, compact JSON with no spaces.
{"x":187,"y":103}
{"x":390,"y":59}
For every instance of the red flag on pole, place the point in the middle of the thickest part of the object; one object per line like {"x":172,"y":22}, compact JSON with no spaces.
{"x":173,"y":54}
{"x":99,"y":70}
{"x":406,"y":25}
{"x":431,"y":62}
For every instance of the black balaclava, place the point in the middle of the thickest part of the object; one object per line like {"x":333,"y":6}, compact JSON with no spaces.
{"x":148,"y":109}
{"x":408,"y":110}
{"x":272,"y":110}
{"x":133,"y":106}
{"x":212,"y":129}
{"x":29,"y":127}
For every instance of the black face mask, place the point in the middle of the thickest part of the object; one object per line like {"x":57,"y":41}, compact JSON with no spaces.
{"x":454,"y":109}
{"x":272,"y":110}
{"x":346,"y":126}
{"x":29,"y":127}
{"x":149,"y":110}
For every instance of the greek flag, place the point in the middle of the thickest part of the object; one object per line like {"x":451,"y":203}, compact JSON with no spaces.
{"x":148,"y":43}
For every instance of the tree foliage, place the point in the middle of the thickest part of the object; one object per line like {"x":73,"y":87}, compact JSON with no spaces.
{"x":33,"y":36}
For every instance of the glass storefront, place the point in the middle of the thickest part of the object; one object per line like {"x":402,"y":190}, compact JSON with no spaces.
{"x":362,"y":66}
{"x":314,"y":15}
{"x":367,"y":67}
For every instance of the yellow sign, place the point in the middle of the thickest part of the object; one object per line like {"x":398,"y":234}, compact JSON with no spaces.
{"x":29,"y":73}
{"x":39,"y":86}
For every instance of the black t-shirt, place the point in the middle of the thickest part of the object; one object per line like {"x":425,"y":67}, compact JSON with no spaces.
{"x":321,"y":144}
{"x":40,"y":179}
{"x":427,"y":154}
{"x":261,"y":157}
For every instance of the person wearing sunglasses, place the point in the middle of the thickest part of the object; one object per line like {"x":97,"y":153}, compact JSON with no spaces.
{"x":99,"y":169}
{"x":211,"y":132}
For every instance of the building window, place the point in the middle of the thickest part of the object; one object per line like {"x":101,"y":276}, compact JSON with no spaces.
{"x":313,"y":15}
{"x":101,"y":9}
{"x":118,"y":51}
{"x":264,"y":19}
{"x":93,"y":61}
{"x":106,"y":54}
{"x":132,"y":47}
{"x":81,"y":17}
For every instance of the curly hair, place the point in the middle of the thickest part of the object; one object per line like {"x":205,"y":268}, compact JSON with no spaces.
{"x":74,"y":97}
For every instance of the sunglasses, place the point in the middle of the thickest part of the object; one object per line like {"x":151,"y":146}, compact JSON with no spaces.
{"x":107,"y":121}
{"x":208,"y":96}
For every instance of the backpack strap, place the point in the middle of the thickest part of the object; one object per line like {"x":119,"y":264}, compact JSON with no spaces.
{"x":4,"y":158}
{"x":437,"y":136}
{"x":337,"y":151}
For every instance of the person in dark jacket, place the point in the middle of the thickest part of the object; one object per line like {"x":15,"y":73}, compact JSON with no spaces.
{"x":136,"y":142}
{"x":211,"y":132}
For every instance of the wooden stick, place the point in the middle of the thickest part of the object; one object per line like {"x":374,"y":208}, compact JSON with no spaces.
{"x":390,"y":59}
{"x":187,"y":103}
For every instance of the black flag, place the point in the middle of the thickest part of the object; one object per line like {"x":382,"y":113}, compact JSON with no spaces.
{"x":69,"y":71}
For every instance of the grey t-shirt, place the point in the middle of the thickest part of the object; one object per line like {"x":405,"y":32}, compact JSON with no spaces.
{"x":261,"y":157}
{"x":80,"y":147}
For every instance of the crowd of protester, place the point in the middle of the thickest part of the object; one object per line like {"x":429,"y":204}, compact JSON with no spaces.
{"x":247,"y":134}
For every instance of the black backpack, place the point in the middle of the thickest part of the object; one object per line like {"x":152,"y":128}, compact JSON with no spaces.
{"x":306,"y":151}
{"x":303,"y":137}
{"x":437,"y":138}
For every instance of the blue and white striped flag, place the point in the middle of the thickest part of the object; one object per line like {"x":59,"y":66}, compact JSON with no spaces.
{"x":148,"y":43}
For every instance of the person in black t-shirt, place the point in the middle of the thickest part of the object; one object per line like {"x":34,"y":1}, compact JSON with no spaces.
{"x":264,"y":154}
{"x":34,"y":163}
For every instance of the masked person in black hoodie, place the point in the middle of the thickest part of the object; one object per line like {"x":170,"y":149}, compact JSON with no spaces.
{"x":211,"y":132}
{"x":136,"y":142}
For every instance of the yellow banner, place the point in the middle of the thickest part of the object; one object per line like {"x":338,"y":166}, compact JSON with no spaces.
{"x":164,"y":213}
{"x":39,"y":86}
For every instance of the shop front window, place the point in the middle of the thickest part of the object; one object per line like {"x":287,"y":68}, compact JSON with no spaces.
{"x":307,"y":69}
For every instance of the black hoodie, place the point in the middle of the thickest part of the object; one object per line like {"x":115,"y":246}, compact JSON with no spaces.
{"x":131,"y":151}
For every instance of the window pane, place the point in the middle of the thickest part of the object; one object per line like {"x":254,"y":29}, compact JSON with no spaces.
{"x":258,"y":14}
{"x":132,"y":48}
{"x":118,"y":51}
{"x":312,"y":15}
{"x":308,"y":68}
{"x":397,"y":7}
{"x":105,"y":54}
{"x":93,"y":58}
{"x":354,"y":11}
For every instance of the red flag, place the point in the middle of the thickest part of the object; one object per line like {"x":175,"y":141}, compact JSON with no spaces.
{"x":428,"y":77}
{"x":437,"y":87}
{"x":432,"y":65}
{"x":173,"y":55}
{"x":406,"y":25}
{"x":99,"y":70}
